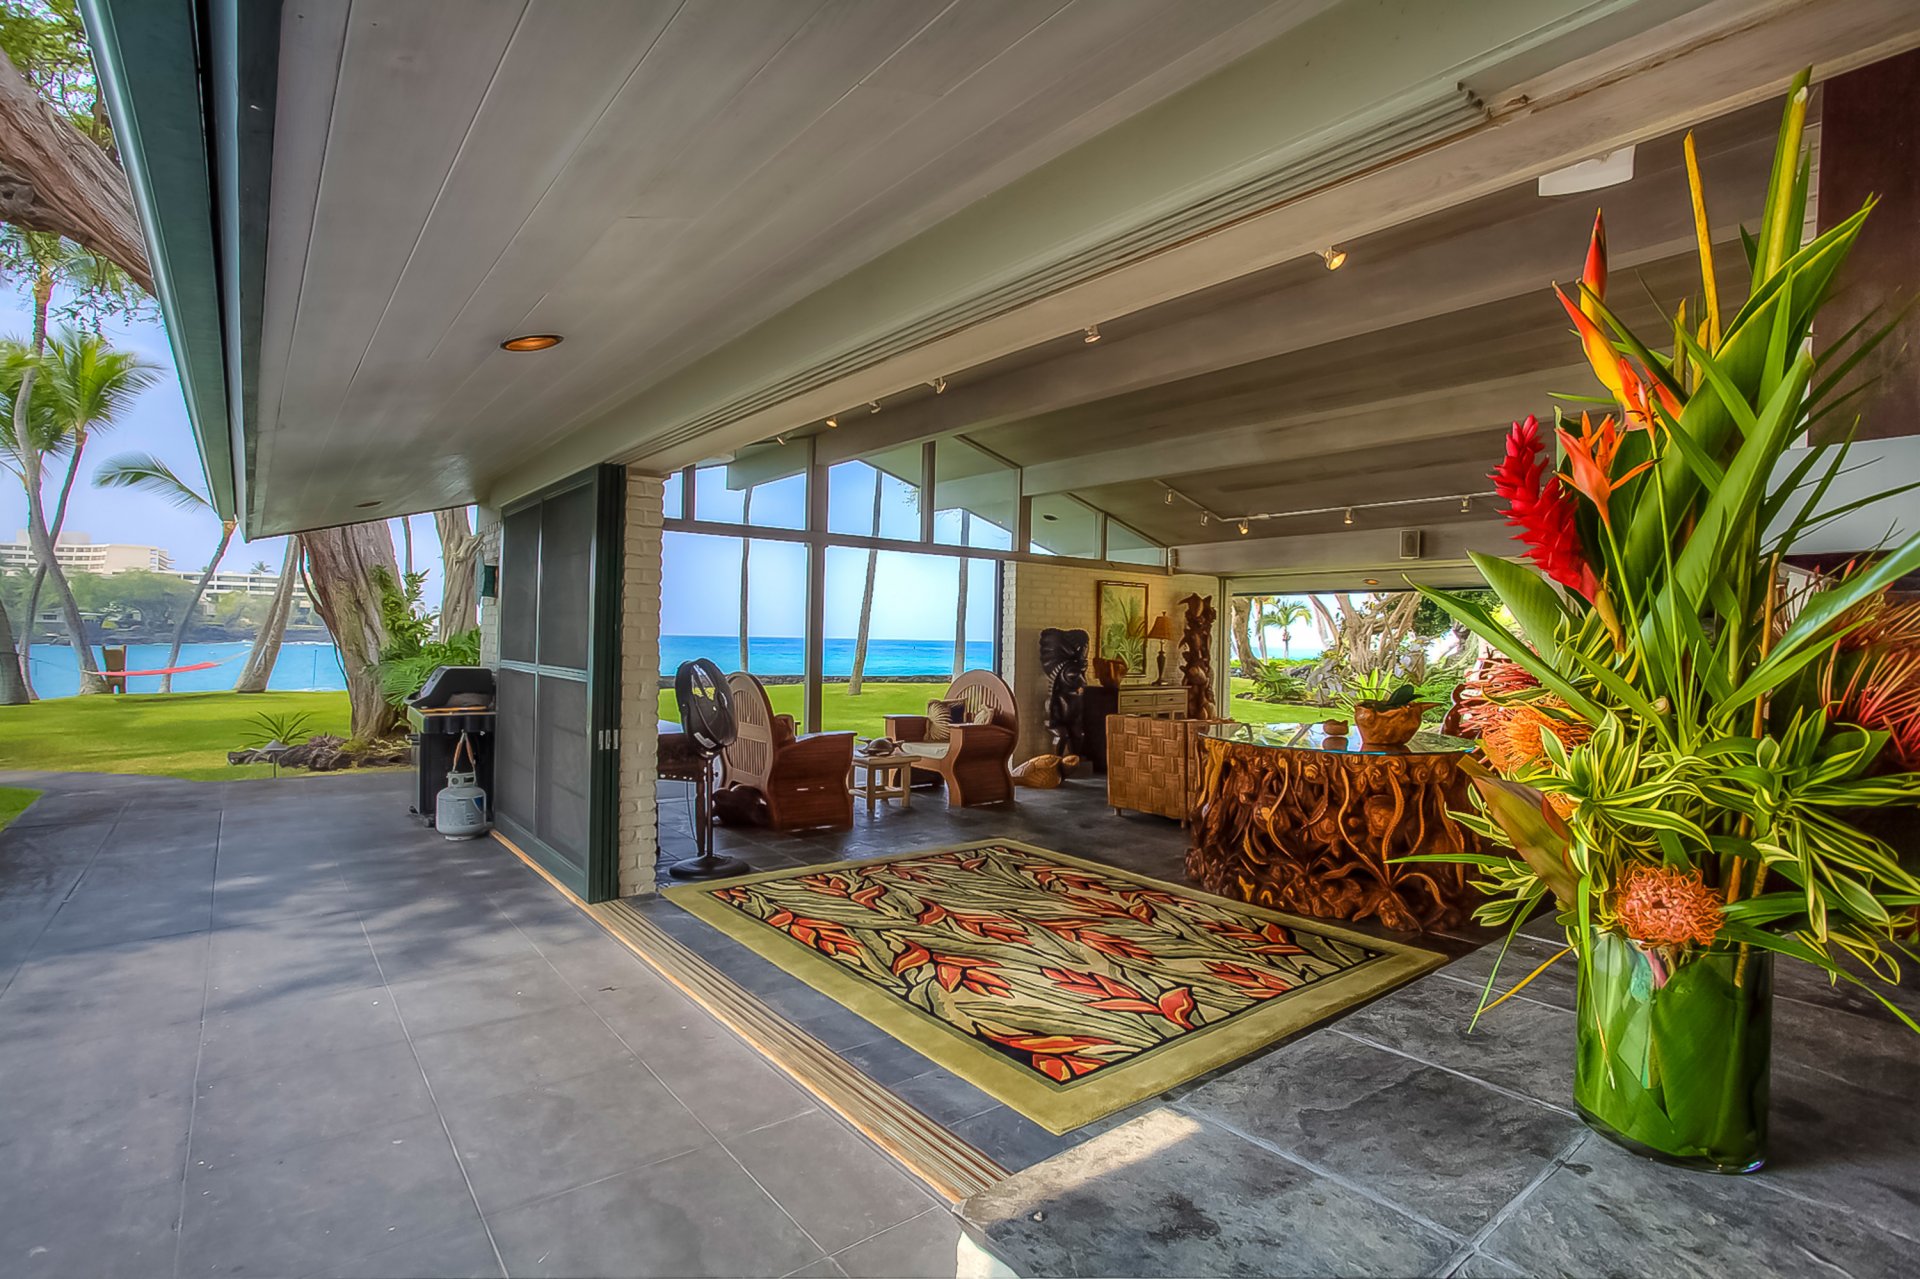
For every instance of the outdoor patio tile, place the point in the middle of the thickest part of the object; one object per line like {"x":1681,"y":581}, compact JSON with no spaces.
{"x":1477,"y":1265}
{"x":262,"y":1035}
{"x":825,"y":1268}
{"x":136,"y":983}
{"x":696,"y":1214}
{"x":290,"y":958}
{"x":1607,"y":1212}
{"x":443,"y":938}
{"x":1522,"y":1046}
{"x":94,"y":1144}
{"x":729,"y":1087}
{"x":1008,"y":1138}
{"x":481,"y":993}
{"x":829,"y":1179}
{"x":248,"y":1111}
{"x":942,"y":1096}
{"x":1441,"y":1147}
{"x":59,"y":1230}
{"x":924,"y":1247}
{"x":1169,"y":1195}
{"x":84,"y":923}
{"x":305,"y":1209}
{"x":598,"y":965}
{"x":542,"y":1140}
{"x":477,"y":1062}
{"x":460,"y":1251}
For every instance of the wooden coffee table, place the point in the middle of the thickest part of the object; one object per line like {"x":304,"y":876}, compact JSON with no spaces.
{"x":879,"y":777}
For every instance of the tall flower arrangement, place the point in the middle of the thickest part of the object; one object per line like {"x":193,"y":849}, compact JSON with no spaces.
{"x":1683,"y":764}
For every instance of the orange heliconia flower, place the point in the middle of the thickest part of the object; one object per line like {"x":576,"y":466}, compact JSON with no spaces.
{"x":1591,"y":455}
{"x":1662,"y":907}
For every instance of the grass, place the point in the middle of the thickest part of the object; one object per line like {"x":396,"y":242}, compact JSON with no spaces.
{"x":13,"y":802}
{"x":1248,"y":711}
{"x":863,"y":714}
{"x":183,"y":735}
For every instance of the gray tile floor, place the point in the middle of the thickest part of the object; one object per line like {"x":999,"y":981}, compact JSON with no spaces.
{"x":273,"y":1028}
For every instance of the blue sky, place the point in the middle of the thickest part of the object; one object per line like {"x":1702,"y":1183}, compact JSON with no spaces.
{"x":157,"y":424}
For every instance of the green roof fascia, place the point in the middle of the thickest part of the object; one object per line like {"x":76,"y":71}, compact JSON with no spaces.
{"x":174,"y":86}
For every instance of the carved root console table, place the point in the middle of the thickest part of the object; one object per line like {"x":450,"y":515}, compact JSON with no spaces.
{"x":1297,"y":821}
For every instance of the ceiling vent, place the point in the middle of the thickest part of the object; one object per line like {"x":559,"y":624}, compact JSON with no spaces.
{"x":1412,"y":543}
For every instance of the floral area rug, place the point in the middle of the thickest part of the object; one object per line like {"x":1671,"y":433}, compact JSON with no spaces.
{"x":1064,"y":988}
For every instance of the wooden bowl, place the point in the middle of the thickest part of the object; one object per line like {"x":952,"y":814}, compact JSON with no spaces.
{"x":1392,"y":727}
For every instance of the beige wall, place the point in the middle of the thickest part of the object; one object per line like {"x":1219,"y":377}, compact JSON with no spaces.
{"x":639,"y":686}
{"x":1036,"y":596}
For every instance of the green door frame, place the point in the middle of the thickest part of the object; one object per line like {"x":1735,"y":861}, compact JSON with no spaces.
{"x":600,"y":879}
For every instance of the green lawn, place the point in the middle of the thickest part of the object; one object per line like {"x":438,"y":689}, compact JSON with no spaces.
{"x":1248,"y":711}
{"x":13,"y":802}
{"x":862,"y":714}
{"x":168,"y":734}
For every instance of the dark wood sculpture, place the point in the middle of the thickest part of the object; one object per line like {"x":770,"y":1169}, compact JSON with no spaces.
{"x":1316,"y":832}
{"x":1063,"y":660}
{"x":1196,"y":655}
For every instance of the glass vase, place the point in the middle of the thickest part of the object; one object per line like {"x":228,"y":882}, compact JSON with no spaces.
{"x":1675,"y":1057}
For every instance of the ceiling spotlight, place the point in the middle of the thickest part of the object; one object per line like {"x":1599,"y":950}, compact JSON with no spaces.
{"x":939,"y":386}
{"x":1243,"y":528}
{"x":531,"y":342}
{"x":1093,"y":334}
{"x":1466,"y":504}
{"x":779,"y":439}
{"x":1169,"y":498}
{"x":1370,"y":581}
{"x":873,"y":406}
{"x":1204,"y":517}
{"x":1334,"y":258}
{"x":1349,"y":518}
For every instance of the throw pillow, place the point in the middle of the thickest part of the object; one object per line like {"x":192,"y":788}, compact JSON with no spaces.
{"x":941,"y":716}
{"x":983,"y":714}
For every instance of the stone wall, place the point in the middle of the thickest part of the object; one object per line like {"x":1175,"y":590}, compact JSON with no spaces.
{"x":1036,"y":596}
{"x":639,"y":685}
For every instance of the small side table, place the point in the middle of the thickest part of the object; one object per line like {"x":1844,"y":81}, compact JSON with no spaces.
{"x":878,"y":777}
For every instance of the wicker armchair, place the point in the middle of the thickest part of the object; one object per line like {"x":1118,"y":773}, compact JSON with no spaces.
{"x":1154,"y":765}
{"x":801,"y":781}
{"x":974,"y":760}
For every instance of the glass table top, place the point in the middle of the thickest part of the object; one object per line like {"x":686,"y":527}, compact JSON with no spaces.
{"x":1311,"y":737}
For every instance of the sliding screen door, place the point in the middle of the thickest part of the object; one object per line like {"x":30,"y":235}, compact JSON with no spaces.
{"x":556,"y":763}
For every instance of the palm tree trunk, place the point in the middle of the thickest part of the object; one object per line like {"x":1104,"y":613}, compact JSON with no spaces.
{"x":459,"y":551}
{"x":53,"y":532}
{"x":193,"y":605}
{"x":1260,"y":623}
{"x":406,"y":536}
{"x":866,"y":597}
{"x":960,"y":607}
{"x":1238,"y":607}
{"x":266,"y":645}
{"x":340,"y":564}
{"x":746,"y":557}
{"x":13,"y":689}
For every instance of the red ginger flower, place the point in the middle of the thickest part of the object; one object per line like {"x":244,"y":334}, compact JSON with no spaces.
{"x":1662,"y":907}
{"x":1542,"y":510}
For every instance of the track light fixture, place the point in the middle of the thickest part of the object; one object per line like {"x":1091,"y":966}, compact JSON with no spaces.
{"x":1349,"y":518}
{"x":1169,"y":497}
{"x":1466,"y":504}
{"x":1335,"y":258}
{"x":1093,"y":334}
{"x":873,"y":406}
{"x":939,"y":386}
{"x":833,"y":421}
{"x":1243,"y":528}
{"x":1204,"y":517}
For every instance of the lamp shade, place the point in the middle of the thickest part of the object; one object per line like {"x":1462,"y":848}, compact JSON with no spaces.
{"x":1162,"y":629}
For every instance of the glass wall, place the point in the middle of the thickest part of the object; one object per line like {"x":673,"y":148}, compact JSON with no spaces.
{"x":1063,"y":525}
{"x":900,"y":620}
{"x":976,"y":497}
{"x":1127,"y":547}
{"x":708,"y":585}
{"x":877,"y":495}
{"x":765,"y":486}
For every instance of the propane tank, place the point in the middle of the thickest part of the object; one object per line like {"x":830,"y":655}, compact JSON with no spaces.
{"x":460,"y":809}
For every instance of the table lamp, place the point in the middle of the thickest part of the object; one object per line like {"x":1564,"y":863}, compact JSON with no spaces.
{"x":1162,"y":630}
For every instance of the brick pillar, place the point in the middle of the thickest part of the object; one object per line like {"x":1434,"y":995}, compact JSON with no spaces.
{"x":487,"y":528}
{"x":639,"y":685}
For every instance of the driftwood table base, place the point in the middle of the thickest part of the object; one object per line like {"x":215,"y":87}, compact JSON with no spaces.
{"x":1316,"y":832}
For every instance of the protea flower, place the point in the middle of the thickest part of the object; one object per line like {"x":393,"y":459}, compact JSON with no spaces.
{"x":1662,"y":907}
{"x":1541,"y":510}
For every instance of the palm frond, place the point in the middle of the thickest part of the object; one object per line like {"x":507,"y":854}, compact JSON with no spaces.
{"x":147,"y":473}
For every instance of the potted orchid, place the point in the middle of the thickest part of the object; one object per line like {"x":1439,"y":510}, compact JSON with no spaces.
{"x":1688,"y":739}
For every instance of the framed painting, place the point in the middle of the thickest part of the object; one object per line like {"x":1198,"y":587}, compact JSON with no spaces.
{"x":1120,"y":623}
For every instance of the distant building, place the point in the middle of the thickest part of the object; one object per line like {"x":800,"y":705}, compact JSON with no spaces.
{"x":79,"y":553}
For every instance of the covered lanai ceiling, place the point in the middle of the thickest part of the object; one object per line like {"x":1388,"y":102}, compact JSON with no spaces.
{"x":746,"y":215}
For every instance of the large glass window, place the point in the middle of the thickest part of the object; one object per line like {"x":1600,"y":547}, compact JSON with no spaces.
{"x":907,"y":624}
{"x":877,"y":495}
{"x":976,"y":497}
{"x":1124,"y":546}
{"x":740,"y":603}
{"x":1063,"y":525}
{"x":765,"y":485}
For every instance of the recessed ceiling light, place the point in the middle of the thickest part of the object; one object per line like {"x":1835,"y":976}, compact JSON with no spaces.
{"x":532,"y":342}
{"x":1370,"y":581}
{"x":364,"y":505}
{"x":1048,"y":516}
{"x":1334,"y":258}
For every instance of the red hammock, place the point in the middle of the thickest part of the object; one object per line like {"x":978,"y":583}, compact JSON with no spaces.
{"x":170,"y":670}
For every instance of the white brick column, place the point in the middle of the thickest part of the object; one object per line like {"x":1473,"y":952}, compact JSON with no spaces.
{"x":639,"y":685}
{"x":487,"y":527}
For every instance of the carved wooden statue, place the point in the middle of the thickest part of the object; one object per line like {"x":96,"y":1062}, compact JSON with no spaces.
{"x":1063,"y":660}
{"x":1196,"y":655}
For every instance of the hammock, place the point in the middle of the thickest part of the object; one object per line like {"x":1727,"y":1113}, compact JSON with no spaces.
{"x":170,"y":670}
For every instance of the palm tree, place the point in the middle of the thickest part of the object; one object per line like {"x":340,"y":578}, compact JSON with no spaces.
{"x":746,"y":557}
{"x":1285,"y":614}
{"x":960,"y":601}
{"x":459,"y":551}
{"x":89,"y":385}
{"x":866,"y":595}
{"x":266,"y":641}
{"x":148,"y":473}
{"x":30,"y":434}
{"x":259,"y":568}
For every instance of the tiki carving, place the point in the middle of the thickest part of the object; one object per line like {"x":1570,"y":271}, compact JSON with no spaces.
{"x":1317,"y":832}
{"x":1063,"y":660}
{"x":1196,"y":655}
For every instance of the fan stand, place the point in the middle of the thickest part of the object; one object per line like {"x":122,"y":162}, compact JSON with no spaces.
{"x":706,"y":713}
